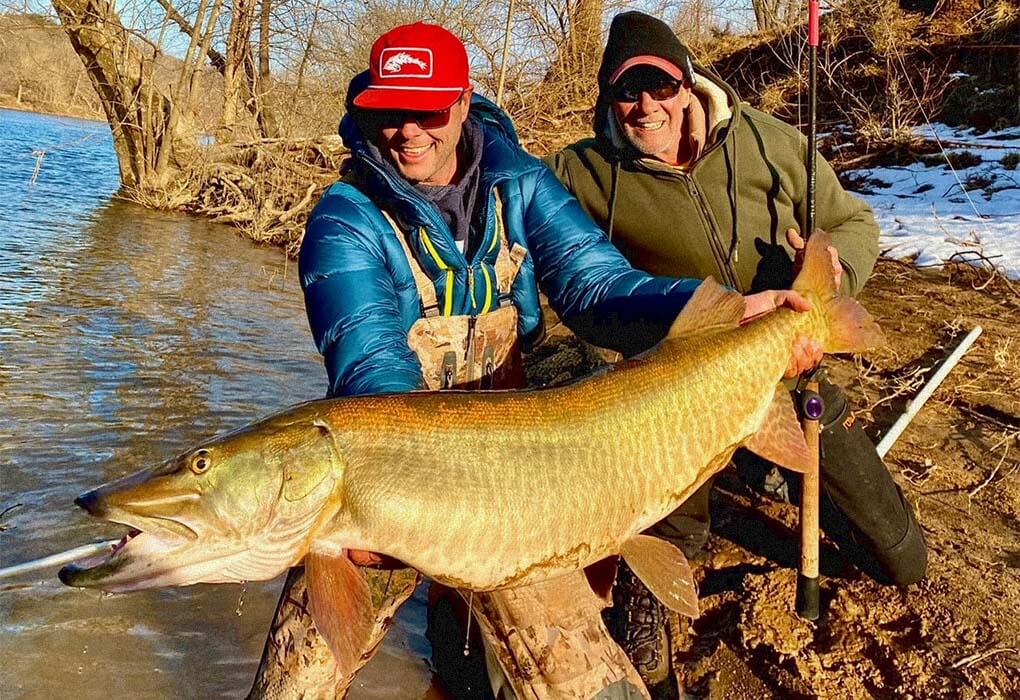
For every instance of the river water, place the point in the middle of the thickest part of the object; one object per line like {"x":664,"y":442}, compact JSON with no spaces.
{"x":126,"y":336}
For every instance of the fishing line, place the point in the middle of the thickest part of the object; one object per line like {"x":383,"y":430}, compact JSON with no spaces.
{"x":938,"y":141}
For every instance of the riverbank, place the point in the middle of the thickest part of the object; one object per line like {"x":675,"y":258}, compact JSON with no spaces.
{"x":11,"y":102}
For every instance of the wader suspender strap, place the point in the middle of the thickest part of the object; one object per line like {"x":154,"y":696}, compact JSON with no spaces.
{"x":507,"y":263}
{"x":427,"y":290}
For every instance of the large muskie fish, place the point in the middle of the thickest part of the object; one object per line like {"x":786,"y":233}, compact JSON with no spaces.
{"x":480,"y":490}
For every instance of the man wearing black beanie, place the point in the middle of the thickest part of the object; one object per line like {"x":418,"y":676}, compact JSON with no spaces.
{"x":687,"y":181}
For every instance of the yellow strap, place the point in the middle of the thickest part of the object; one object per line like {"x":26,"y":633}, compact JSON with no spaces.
{"x":488,"y":289}
{"x":422,"y":281}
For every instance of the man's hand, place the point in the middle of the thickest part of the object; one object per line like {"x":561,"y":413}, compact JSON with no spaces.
{"x":759,"y":304}
{"x":378,"y":561}
{"x":806,"y":353}
{"x":798,"y":243}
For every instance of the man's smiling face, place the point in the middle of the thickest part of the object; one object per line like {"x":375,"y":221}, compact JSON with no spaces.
{"x":423,"y":145}
{"x":649,"y":108}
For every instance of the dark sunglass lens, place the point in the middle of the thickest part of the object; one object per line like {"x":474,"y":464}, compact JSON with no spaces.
{"x":433,"y":120}
{"x":665,"y":92}
{"x":630,"y":91}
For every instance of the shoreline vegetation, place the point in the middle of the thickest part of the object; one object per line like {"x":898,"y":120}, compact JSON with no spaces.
{"x":241,"y":150}
{"x":10,"y":102}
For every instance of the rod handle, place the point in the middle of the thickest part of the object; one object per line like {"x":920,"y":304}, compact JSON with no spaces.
{"x":808,"y":597}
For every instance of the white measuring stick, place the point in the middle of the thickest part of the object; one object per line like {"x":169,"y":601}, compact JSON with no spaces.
{"x":929,"y":388}
{"x":66,"y":557}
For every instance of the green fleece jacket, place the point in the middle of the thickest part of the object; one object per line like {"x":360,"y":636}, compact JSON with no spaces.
{"x":726,"y":215}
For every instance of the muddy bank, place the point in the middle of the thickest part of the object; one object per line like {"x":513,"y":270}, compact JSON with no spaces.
{"x":956,"y":634}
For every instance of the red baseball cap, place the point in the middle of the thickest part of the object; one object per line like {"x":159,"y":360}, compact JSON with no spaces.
{"x":416,"y":67}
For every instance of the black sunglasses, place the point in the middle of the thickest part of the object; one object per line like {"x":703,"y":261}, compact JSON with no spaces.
{"x":395,"y":118}
{"x":658,"y":89}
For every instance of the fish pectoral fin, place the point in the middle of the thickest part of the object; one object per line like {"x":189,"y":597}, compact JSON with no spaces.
{"x":781,"y":438}
{"x":341,"y":605}
{"x":664,"y":569}
{"x":712,"y":309}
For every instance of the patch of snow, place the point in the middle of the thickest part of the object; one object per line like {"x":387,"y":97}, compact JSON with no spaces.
{"x":931,"y":214}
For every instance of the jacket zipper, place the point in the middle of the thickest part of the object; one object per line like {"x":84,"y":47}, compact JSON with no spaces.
{"x":718,"y":250}
{"x":471,"y":285}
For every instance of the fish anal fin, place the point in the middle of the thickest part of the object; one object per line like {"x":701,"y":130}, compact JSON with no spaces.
{"x":340,"y":602}
{"x":781,"y":438}
{"x":712,"y":309}
{"x":664,"y":569}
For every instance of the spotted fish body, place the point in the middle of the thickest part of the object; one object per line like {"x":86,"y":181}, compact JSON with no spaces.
{"x":480,"y":490}
{"x":508,"y":488}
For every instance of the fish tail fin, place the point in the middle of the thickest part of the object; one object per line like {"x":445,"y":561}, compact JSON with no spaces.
{"x":850,"y":327}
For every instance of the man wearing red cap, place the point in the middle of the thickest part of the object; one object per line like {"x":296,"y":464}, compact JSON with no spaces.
{"x":421,"y":270}
{"x":687,"y":181}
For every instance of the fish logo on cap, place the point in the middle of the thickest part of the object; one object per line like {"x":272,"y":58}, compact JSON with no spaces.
{"x":405,"y":62}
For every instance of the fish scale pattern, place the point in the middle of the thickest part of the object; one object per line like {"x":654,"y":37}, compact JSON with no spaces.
{"x":491,"y":489}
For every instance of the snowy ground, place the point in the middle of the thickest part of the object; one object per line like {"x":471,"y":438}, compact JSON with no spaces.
{"x":931,"y":213}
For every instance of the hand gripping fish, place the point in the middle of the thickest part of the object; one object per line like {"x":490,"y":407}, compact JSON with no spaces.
{"x":480,"y":490}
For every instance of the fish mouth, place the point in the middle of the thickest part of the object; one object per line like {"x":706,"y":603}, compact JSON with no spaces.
{"x":142,"y":556}
{"x":117,"y":571}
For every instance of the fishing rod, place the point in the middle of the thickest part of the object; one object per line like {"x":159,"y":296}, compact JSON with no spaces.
{"x":915,"y":404}
{"x":808,"y":592}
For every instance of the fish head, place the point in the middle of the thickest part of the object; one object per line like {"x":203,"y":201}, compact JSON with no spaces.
{"x":240,"y":507}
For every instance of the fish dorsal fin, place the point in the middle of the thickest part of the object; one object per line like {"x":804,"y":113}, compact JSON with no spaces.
{"x":816,"y":275}
{"x":664,"y":569}
{"x":781,"y":438}
{"x":341,"y":606}
{"x":712,"y":309}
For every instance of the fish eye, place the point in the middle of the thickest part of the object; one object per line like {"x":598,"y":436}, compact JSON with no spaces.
{"x":200,"y":462}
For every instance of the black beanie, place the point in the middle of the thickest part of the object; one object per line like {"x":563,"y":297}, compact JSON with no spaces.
{"x":637,"y":34}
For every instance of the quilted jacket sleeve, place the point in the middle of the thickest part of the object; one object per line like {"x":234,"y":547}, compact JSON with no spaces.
{"x":589,"y":283}
{"x":352,"y":310}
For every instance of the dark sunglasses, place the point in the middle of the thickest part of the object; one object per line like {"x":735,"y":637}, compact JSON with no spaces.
{"x":659,"y":90}
{"x":394,"y":119}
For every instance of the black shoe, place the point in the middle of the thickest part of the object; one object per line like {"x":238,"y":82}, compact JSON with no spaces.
{"x":637,"y":621}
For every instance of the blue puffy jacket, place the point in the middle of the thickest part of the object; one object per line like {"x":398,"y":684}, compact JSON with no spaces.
{"x":361,"y":297}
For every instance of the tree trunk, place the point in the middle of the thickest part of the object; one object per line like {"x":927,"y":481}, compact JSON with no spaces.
{"x":138,"y":113}
{"x":268,"y":123}
{"x":235,"y":76}
{"x":572,"y":74}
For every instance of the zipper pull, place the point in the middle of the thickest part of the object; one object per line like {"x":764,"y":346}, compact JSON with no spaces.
{"x":472,"y":320}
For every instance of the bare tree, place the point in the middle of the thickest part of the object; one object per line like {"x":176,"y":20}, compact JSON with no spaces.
{"x":147,"y":136}
{"x":775,"y":14}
